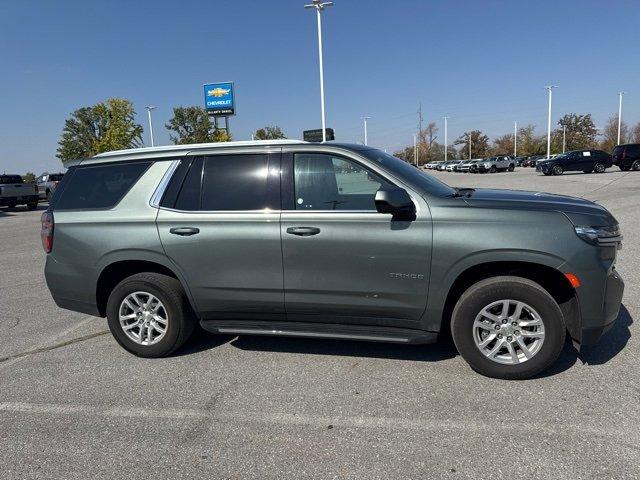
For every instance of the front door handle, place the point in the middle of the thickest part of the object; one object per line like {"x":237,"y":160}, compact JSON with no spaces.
{"x":303,"y":231}
{"x":184,"y":231}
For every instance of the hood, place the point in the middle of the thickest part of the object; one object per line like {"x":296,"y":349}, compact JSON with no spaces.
{"x":578,"y":210}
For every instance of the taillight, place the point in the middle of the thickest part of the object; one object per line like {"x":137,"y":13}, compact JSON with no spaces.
{"x":36,"y":188}
{"x":46,"y":233}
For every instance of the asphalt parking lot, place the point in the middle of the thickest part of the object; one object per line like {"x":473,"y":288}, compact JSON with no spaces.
{"x":73,"y":404}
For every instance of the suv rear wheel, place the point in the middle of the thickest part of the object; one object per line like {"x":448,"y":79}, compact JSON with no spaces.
{"x":557,"y":170}
{"x":149,"y":314}
{"x":636,"y":165}
{"x":508,"y":327}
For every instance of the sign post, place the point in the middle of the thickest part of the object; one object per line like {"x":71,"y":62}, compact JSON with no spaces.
{"x":219,"y":101}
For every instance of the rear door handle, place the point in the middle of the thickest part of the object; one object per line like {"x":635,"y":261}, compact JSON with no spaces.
{"x":303,"y":231}
{"x":184,"y":231}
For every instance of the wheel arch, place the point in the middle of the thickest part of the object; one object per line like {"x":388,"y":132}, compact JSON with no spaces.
{"x":115,"y":271}
{"x":548,"y":277}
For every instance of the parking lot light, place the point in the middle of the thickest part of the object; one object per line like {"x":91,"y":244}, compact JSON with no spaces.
{"x":550,"y":90}
{"x":149,"y":108}
{"x":320,"y":6}
{"x":620,"y":94}
{"x":365,"y":128}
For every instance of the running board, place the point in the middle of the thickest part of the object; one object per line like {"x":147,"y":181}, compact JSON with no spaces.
{"x":320,"y":330}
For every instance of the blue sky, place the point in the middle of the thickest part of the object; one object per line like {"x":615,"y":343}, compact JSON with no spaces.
{"x":482,"y":63}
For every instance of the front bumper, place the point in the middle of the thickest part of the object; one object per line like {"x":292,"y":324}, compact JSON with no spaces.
{"x":614,"y":289}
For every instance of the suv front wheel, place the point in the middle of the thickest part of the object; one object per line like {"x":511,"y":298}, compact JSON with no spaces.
{"x":149,"y":314}
{"x":508,"y":327}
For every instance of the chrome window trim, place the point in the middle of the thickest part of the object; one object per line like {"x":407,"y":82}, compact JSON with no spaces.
{"x":162,"y":186}
{"x":267,"y":211}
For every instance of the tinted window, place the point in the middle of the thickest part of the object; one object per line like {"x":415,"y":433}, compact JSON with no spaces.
{"x":633,"y":150}
{"x":11,"y":179}
{"x":56,"y":177}
{"x":189,"y":196}
{"x":326,"y":182}
{"x":100,"y":186}
{"x":238,"y":182}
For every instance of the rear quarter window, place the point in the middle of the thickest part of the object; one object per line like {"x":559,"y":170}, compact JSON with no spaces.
{"x":11,"y":179}
{"x":100,"y":186}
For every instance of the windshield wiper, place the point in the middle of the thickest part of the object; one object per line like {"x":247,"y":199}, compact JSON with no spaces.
{"x":463,"y":192}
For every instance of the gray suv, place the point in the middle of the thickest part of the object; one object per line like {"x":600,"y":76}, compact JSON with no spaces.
{"x":327,"y":240}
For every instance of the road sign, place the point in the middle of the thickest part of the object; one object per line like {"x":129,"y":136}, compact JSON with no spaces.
{"x":219,"y":99}
{"x":316,"y":135}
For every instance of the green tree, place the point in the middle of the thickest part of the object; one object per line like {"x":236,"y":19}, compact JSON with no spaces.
{"x":502,"y":145}
{"x":193,"y":125}
{"x":29,"y":177}
{"x":530,"y":144}
{"x":479,"y":144}
{"x":269,"y":133}
{"x":100,"y":128}
{"x":610,"y":134}
{"x":581,"y":132}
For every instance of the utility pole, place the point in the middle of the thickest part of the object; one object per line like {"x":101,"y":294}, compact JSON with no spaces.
{"x":515,"y":139}
{"x":550,"y":90}
{"x":564,"y":138}
{"x":620,"y":94}
{"x":469,"y":135}
{"x":149,"y":108}
{"x":320,"y":6}
{"x":445,"y":138}
{"x":365,"y":129}
{"x":415,"y":151}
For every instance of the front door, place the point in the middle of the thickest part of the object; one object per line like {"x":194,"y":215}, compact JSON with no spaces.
{"x":343,"y":261}
{"x":221,"y":227}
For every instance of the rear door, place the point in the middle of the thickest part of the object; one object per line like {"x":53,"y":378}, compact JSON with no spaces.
{"x":219,"y":222}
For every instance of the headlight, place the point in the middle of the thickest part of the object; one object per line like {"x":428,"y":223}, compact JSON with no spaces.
{"x":601,"y":236}
{"x":487,"y":165}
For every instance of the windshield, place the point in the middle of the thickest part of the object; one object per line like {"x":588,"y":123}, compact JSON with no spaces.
{"x":405,"y":170}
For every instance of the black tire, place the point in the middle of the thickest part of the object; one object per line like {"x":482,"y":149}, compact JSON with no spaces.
{"x":32,"y":206}
{"x":623,"y":168}
{"x":599,"y":168}
{"x":557,"y":170}
{"x":495,"y":289}
{"x":635,"y":165}
{"x":547,"y":173}
{"x":181,"y":320}
{"x":511,"y":168}
{"x":48,"y":196}
{"x":493,"y":169}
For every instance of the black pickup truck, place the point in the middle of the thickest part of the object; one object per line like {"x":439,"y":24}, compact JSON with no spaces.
{"x":13,"y":191}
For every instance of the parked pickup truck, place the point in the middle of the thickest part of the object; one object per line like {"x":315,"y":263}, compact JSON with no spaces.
{"x":47,"y":183}
{"x":13,"y":191}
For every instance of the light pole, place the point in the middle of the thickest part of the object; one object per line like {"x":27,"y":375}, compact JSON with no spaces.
{"x":365,"y":128}
{"x":469,"y":135}
{"x":415,"y":151}
{"x":564,"y":138}
{"x":150,"y":123}
{"x":445,"y":138}
{"x":320,"y":6}
{"x":515,"y":139}
{"x":620,"y":94}
{"x":550,"y":90}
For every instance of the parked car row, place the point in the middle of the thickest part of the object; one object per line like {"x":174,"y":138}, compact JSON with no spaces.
{"x":14,"y":191}
{"x":496,"y":163}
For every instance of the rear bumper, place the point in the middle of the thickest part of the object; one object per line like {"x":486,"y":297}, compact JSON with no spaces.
{"x":22,"y":200}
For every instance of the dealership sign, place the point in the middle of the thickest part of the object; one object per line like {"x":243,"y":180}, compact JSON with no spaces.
{"x":219,"y":99}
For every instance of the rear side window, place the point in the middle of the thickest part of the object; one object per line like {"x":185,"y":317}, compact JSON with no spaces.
{"x":633,"y":150}
{"x":100,"y":186}
{"x":11,"y":179}
{"x":229,"y":183}
{"x":56,"y":177}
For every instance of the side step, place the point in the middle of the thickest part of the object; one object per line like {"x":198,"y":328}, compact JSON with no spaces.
{"x":320,"y":330}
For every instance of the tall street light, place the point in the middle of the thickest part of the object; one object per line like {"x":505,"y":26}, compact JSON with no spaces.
{"x":515,"y":139}
{"x":550,"y":90}
{"x":320,"y":6}
{"x":150,"y":123}
{"x":620,"y":94}
{"x":445,"y":138}
{"x":564,"y":138}
{"x":365,"y":128}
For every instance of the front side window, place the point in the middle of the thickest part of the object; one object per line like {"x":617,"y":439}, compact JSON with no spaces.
{"x":328,"y":182}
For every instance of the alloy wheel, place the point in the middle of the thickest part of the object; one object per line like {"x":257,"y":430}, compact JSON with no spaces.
{"x":508,"y":332}
{"x":143,"y":318}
